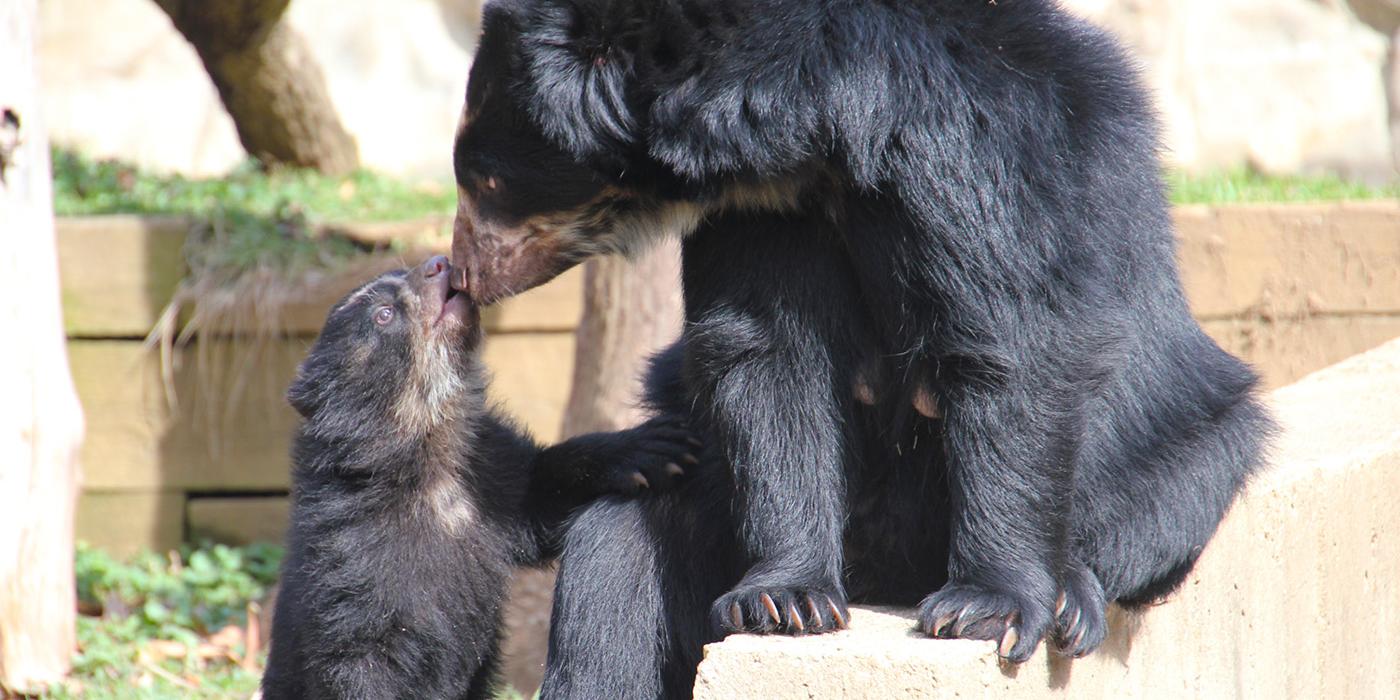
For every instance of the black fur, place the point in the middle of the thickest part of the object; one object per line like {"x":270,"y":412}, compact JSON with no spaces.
{"x":948,"y":205}
{"x":413,"y":501}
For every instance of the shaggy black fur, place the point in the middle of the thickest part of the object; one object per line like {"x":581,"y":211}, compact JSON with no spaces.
{"x":934,"y":323}
{"x":413,"y":501}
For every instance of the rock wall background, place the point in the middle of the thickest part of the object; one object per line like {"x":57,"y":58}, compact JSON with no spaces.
{"x":119,"y":81}
{"x":1282,"y":85}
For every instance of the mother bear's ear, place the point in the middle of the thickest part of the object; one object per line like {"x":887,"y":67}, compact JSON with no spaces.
{"x":580,"y":72}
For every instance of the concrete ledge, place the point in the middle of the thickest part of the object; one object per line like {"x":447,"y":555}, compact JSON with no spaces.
{"x":1297,"y":596}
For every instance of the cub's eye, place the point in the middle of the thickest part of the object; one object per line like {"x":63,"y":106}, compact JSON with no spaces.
{"x":383,"y":315}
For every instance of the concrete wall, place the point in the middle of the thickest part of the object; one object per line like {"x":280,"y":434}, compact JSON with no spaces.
{"x":1282,"y":85}
{"x":1298,"y":596}
{"x":119,"y":81}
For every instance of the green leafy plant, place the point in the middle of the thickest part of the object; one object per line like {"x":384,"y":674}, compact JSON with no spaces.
{"x":87,"y":186}
{"x":168,"y":625}
{"x":196,"y":590}
{"x":149,"y":620}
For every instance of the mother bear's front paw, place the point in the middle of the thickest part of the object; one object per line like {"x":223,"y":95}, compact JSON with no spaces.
{"x":973,"y":611}
{"x":780,"y":609}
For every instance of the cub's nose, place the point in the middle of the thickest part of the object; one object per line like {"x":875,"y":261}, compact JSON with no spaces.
{"x":435,"y":266}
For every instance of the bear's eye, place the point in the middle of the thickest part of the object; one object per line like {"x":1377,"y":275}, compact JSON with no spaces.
{"x":491,"y":184}
{"x":383,"y":315}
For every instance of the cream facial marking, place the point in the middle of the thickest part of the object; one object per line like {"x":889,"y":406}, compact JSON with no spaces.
{"x":398,"y":283}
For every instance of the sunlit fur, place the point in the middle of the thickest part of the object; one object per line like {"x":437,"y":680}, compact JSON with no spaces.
{"x":413,"y":501}
{"x":966,"y":196}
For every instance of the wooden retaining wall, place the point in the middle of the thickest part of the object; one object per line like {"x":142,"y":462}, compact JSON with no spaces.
{"x":202,"y":450}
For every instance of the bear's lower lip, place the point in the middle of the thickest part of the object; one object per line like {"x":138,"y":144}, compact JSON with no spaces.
{"x":454,"y":303}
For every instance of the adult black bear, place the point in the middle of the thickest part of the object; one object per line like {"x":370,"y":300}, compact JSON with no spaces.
{"x":950,"y":210}
{"x":413,"y":501}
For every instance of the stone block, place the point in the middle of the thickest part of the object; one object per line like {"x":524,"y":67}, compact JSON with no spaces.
{"x":531,"y":375}
{"x":118,"y":273}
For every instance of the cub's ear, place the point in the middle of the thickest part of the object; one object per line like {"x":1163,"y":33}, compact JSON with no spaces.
{"x":580,"y":72}
{"x":302,"y":394}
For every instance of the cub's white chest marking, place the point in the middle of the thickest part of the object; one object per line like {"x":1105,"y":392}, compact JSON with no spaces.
{"x":427,"y":395}
{"x":446,"y":503}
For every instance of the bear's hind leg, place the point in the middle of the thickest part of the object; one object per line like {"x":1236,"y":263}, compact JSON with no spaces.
{"x":1140,"y":528}
{"x":635,"y":583}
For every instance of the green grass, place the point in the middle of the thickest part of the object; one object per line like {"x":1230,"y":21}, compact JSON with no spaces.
{"x":151,"y":604}
{"x":250,"y":219}
{"x":1246,"y":186}
{"x":86,"y":186}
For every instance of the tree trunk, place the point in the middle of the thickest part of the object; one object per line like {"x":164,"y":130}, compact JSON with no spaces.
{"x":41,"y":423}
{"x":268,"y":80}
{"x":630,"y":311}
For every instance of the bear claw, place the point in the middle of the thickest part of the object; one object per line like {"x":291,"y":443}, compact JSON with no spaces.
{"x":961,"y":611}
{"x":772,"y":608}
{"x":816,"y":613}
{"x":1080,"y":623}
{"x":796,"y":618}
{"x":841,"y":622}
{"x":1008,"y":642}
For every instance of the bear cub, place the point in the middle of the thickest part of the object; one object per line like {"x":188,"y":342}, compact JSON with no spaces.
{"x":414,"y":500}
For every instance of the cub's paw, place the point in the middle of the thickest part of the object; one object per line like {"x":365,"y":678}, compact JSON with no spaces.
{"x":1080,"y":623}
{"x":660,"y":453}
{"x":780,"y":610}
{"x":969,"y":611}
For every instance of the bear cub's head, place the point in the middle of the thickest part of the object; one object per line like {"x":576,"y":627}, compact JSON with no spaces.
{"x":399,"y":353}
